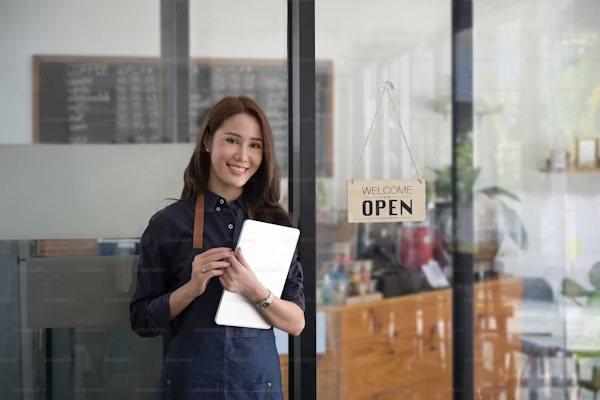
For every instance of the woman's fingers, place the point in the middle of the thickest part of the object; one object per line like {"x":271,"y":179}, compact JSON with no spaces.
{"x":217,"y":272}
{"x":216,"y":254}
{"x":234,"y":261}
{"x":241,"y":258}
{"x":215,"y":265}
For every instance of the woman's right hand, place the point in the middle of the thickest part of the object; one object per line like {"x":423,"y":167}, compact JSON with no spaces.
{"x":206,"y":266}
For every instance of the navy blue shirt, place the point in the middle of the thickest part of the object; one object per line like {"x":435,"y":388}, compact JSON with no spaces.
{"x":166,"y":264}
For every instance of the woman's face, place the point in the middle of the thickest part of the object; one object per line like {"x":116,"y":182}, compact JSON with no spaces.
{"x":236,"y":150}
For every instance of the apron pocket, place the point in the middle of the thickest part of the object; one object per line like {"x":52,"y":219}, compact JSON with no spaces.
{"x":249,"y":391}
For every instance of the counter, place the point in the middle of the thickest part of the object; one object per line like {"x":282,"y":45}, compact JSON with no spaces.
{"x":400,"y":347}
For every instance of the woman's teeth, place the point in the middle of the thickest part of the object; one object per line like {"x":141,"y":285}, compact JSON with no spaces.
{"x":237,"y":169}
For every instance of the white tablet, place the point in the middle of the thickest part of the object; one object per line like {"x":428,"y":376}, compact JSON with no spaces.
{"x":269,"y":250}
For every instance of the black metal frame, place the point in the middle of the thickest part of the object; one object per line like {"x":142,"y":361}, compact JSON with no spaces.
{"x":462,"y":214}
{"x":175,"y":60}
{"x":302,"y":195}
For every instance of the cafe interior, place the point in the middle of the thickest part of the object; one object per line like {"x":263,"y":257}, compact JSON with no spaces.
{"x":494,"y":104}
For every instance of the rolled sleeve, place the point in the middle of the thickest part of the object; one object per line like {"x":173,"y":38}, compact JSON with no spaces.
{"x":149,"y":306}
{"x":294,"y":287}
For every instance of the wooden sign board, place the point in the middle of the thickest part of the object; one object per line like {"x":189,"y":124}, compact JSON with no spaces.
{"x":387,"y":201}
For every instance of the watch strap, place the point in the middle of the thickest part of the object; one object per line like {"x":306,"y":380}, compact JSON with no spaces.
{"x":265,"y":302}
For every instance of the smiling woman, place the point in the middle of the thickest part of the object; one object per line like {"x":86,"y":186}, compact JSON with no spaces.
{"x":232,"y":176}
{"x":235,"y":151}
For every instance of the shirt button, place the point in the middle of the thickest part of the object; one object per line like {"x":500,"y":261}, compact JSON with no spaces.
{"x":218,"y":208}
{"x":221,"y":201}
{"x":230,"y":226}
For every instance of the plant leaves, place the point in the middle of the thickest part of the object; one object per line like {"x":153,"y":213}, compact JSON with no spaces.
{"x":477,"y":173}
{"x":515,"y":227}
{"x":570,"y":288}
{"x":498,"y":191}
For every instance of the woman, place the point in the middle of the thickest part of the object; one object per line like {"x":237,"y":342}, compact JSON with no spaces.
{"x":187,"y":260}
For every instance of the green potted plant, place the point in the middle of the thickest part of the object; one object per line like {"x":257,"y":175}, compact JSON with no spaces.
{"x":494,"y":215}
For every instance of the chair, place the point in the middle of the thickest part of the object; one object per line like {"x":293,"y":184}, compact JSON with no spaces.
{"x":592,"y":384}
{"x":538,"y":298}
{"x":537,"y":289}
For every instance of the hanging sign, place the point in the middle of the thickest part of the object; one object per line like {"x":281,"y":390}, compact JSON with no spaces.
{"x":387,"y":200}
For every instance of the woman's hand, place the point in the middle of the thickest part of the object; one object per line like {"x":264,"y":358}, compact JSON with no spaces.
{"x":281,"y":314}
{"x":240,"y":279}
{"x":207,"y":265}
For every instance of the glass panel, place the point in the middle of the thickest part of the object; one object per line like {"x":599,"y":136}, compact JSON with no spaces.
{"x":77,"y":184}
{"x":240,"y":48}
{"x":65,"y":290}
{"x":55,"y":31}
{"x":535,"y":142}
{"x":79,"y":204}
{"x":11,"y":359}
{"x":386,"y":324}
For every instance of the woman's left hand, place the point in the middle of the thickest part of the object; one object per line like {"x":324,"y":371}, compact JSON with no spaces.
{"x":240,"y":279}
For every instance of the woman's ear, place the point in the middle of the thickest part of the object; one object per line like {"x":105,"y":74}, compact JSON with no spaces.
{"x":206,"y":143}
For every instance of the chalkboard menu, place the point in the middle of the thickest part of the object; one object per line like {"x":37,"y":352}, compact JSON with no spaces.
{"x":118,"y":100}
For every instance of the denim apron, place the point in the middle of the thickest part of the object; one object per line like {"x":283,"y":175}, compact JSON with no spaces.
{"x":206,"y":361}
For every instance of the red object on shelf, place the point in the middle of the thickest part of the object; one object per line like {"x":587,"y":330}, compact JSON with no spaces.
{"x":419,"y":245}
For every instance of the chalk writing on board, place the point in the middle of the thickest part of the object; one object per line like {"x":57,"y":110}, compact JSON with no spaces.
{"x":82,"y":94}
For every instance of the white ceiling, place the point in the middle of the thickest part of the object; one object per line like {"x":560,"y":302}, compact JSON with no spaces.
{"x":340,"y":24}
{"x":345,"y":27}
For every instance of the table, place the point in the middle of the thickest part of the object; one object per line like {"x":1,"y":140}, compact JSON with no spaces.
{"x":537,"y":348}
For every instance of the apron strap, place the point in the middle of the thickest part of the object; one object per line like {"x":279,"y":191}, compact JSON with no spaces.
{"x":199,"y":221}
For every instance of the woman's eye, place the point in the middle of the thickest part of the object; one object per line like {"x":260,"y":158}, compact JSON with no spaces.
{"x":231,"y":140}
{"x":255,"y":145}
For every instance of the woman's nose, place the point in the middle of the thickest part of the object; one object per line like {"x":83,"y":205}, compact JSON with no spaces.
{"x":242,"y":153}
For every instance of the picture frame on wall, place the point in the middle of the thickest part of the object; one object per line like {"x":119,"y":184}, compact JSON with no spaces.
{"x":586,"y":153}
{"x":559,"y":160}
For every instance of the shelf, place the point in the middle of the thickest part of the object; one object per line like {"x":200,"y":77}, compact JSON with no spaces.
{"x":572,"y":171}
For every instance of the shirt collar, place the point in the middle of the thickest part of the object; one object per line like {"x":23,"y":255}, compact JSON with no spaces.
{"x":212,"y":200}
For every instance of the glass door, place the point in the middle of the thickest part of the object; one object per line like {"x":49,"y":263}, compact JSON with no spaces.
{"x":386,"y":330}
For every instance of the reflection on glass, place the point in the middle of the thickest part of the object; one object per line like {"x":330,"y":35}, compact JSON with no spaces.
{"x":534,"y":101}
{"x":65,"y":290}
{"x":384,"y":287}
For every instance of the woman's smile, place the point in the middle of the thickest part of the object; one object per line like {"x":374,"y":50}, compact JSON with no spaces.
{"x":237,"y":170}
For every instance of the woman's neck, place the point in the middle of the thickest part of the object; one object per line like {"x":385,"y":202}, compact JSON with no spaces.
{"x":229,"y":193}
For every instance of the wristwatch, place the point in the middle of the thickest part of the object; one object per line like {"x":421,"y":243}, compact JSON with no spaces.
{"x":266,"y":302}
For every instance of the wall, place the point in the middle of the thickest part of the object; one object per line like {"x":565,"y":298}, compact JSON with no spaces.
{"x":31,"y":27}
{"x":82,"y":192}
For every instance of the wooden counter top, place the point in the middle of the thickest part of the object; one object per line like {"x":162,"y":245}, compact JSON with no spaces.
{"x":402,"y":346}
{"x":504,"y":285}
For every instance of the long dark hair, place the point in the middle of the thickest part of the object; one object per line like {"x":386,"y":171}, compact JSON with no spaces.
{"x":262,"y":191}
